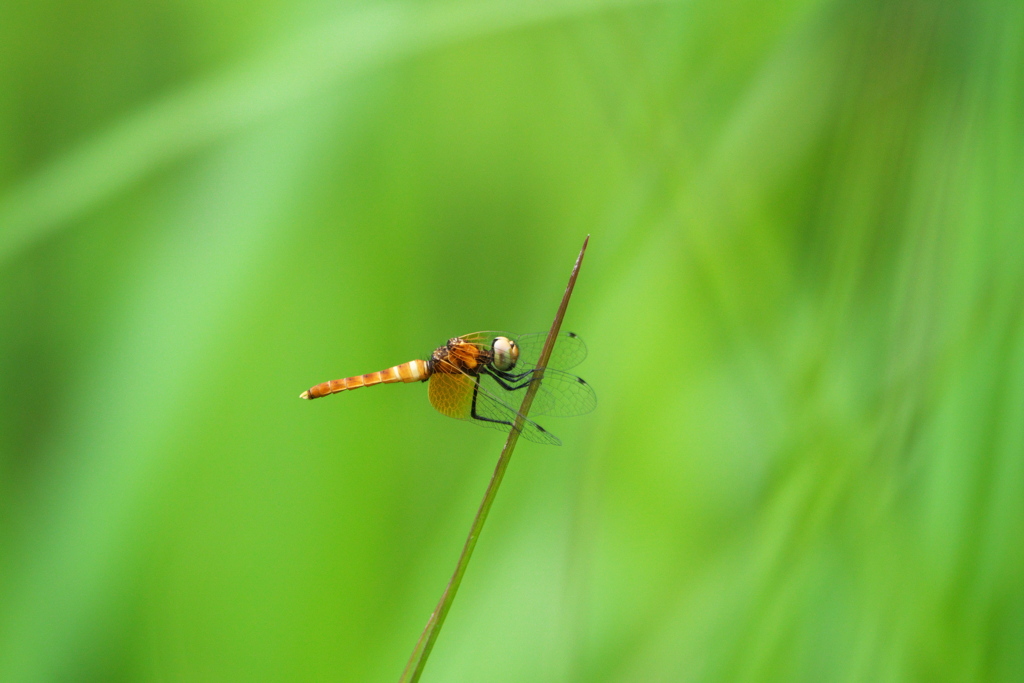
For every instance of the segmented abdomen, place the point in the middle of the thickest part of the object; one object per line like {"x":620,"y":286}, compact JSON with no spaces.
{"x":413,"y":371}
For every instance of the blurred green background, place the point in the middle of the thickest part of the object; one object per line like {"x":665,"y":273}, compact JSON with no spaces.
{"x":803,"y":300}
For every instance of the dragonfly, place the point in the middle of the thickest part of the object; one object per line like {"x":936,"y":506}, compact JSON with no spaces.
{"x":480,"y":377}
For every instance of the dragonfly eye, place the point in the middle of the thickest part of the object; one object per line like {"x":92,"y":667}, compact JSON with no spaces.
{"x":506,"y":353}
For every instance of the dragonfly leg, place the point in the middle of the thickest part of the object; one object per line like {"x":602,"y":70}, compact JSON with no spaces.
{"x":473,"y":413}
{"x":501,"y":377}
{"x":514,"y":377}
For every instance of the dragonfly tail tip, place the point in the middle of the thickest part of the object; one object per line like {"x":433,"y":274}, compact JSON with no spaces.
{"x":304,"y":394}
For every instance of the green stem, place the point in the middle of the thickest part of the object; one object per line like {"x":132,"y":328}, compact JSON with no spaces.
{"x":425,"y":644}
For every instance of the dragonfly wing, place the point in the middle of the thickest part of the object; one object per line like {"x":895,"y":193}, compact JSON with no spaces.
{"x":451,"y":394}
{"x":561,"y":394}
{"x":569,"y":349}
{"x":485,"y":337}
{"x":493,"y":412}
{"x":459,"y":395}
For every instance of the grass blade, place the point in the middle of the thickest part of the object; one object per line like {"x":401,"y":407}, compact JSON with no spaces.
{"x":425,"y":644}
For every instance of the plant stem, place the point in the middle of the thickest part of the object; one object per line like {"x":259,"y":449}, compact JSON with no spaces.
{"x":425,"y":644}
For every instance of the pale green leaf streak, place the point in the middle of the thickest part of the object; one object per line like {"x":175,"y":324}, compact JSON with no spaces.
{"x":202,"y":113}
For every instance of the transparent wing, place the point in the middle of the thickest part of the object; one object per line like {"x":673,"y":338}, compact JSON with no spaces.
{"x":491,"y":411}
{"x":460,"y":396}
{"x":569,"y":349}
{"x":485,"y":337}
{"x":561,"y":394}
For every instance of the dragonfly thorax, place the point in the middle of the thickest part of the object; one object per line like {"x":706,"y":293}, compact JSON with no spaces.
{"x":459,"y":356}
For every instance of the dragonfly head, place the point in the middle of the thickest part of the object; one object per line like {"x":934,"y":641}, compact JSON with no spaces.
{"x":506,"y":353}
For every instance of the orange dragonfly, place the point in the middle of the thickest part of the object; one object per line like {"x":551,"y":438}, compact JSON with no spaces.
{"x":480,"y":377}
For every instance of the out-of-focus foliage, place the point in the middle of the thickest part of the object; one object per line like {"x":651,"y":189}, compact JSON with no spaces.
{"x":803,"y":299}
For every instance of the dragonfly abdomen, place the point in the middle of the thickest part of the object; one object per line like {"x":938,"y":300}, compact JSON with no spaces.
{"x":413,"y":371}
